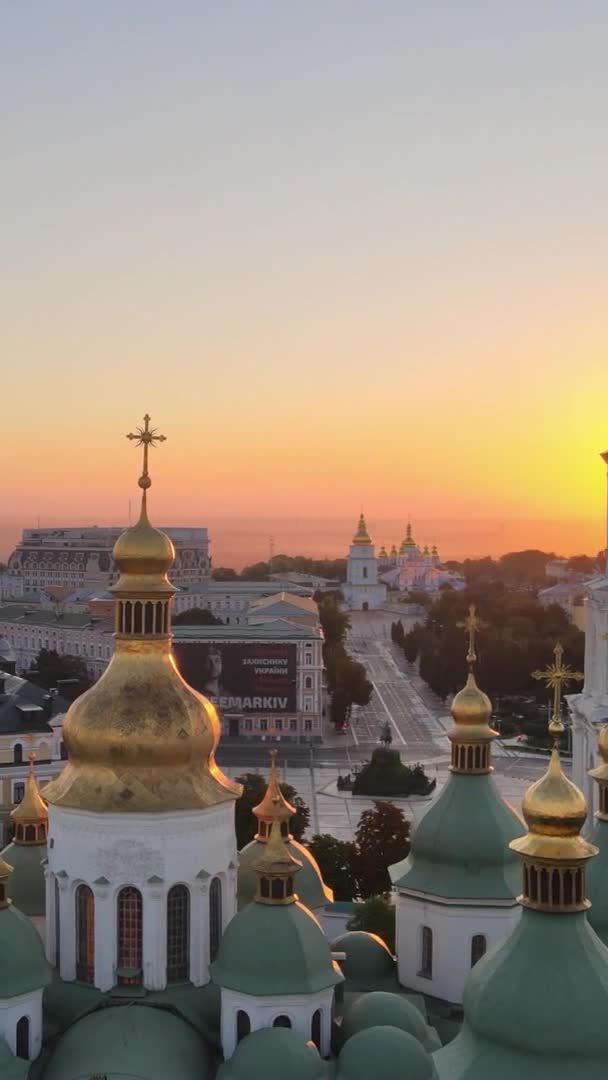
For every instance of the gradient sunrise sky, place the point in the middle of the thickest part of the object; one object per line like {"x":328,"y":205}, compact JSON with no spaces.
{"x":345,"y":253}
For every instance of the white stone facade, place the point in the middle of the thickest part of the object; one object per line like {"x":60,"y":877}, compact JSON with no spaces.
{"x":362,"y":590}
{"x":152,"y":853}
{"x":262,"y":1012}
{"x":589,"y":710}
{"x":19,"y":1010}
{"x":441,"y":971}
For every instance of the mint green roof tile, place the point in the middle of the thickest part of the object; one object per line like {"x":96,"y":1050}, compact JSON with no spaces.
{"x":11,"y":1068}
{"x":460,"y":846}
{"x":23,"y":965}
{"x":26,"y":885}
{"x":381,"y":1009}
{"x":274,"y":1054}
{"x":535,"y":1007}
{"x":270,"y":949}
{"x":384,"y":1053}
{"x":597,"y":881}
{"x":135,"y":1039}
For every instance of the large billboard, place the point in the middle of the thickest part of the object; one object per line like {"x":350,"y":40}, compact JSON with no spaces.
{"x":241,"y":677}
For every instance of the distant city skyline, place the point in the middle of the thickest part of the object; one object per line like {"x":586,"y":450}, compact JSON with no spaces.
{"x":344,"y":255}
{"x":237,"y":542}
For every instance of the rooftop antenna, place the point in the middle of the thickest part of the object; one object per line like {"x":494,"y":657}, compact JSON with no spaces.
{"x":271,"y":547}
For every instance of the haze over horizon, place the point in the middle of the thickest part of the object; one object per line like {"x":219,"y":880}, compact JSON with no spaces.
{"x":345,"y":255}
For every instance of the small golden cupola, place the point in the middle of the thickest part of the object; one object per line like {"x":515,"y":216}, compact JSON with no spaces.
{"x":274,"y":808}
{"x":275,"y":869}
{"x":361,"y":536}
{"x":471,"y":737}
{"x":30,"y":816}
{"x":554,"y":853}
{"x":141,"y":739}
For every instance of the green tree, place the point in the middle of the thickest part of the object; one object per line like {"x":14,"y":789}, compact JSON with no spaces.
{"x":259,"y":571}
{"x":411,"y":644}
{"x":583,"y":564}
{"x":376,"y":915}
{"x":254,"y":786}
{"x":349,"y":686}
{"x":196,"y":616}
{"x":224,"y":573}
{"x":334,"y":622}
{"x":336,"y":859}
{"x":68,"y":673}
{"x":382,"y":839}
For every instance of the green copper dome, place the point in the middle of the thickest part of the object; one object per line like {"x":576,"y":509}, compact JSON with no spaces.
{"x":380,"y":1009}
{"x":23,"y":965}
{"x":460,"y":846}
{"x":310,"y":887}
{"x":274,"y":1054}
{"x":272,"y":950}
{"x":597,"y":881}
{"x":26,"y":885}
{"x":367,"y":958}
{"x":132,"y":1040}
{"x":536,"y":1006}
{"x":384,"y":1053}
{"x":11,"y":1067}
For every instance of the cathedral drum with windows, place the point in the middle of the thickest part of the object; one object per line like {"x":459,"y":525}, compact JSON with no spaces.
{"x":141,"y":875}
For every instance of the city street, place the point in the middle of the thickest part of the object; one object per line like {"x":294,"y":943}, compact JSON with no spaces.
{"x":419,"y":722}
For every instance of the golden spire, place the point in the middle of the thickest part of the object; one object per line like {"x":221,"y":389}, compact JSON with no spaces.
{"x":275,"y":869}
{"x":144,"y":554}
{"x":30,"y":811}
{"x":274,"y":806}
{"x":556,"y":677}
{"x":361,"y":536}
{"x":555,"y":811}
{"x":141,"y":739}
{"x":471,"y":709}
{"x":472,"y":624}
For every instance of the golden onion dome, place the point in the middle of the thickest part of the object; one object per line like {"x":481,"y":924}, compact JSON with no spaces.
{"x":361,"y":536}
{"x":555,"y":811}
{"x":141,"y":739}
{"x":471,"y":710}
{"x":32,"y":808}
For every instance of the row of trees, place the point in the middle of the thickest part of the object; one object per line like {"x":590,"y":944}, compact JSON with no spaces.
{"x":68,"y":674}
{"x":359,"y":867}
{"x":335,"y":569}
{"x":520,"y":568}
{"x":196,"y":616}
{"x":347,"y":679}
{"x":519,"y":636}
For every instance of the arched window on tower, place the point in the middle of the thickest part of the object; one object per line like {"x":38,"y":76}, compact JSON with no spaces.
{"x":215,"y":917}
{"x":281,"y":1021}
{"x":17,"y":753}
{"x":178,"y":934}
{"x":478,"y":948}
{"x":315,"y":1031}
{"x":85,"y":934}
{"x":130,"y":919}
{"x":22,"y":1038}
{"x":426,"y":953}
{"x":243,"y":1025}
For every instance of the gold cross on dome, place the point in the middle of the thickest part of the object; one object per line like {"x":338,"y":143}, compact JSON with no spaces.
{"x":472,"y":624}
{"x":146,"y":436}
{"x":555,"y":677}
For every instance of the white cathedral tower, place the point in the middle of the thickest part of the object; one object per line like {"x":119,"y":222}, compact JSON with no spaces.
{"x":141,"y":876}
{"x":589,"y":709}
{"x":362,"y":591}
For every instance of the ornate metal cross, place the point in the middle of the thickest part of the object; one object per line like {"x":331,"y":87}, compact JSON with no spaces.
{"x":555,"y":677}
{"x":472,"y":624}
{"x":146,"y":437}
